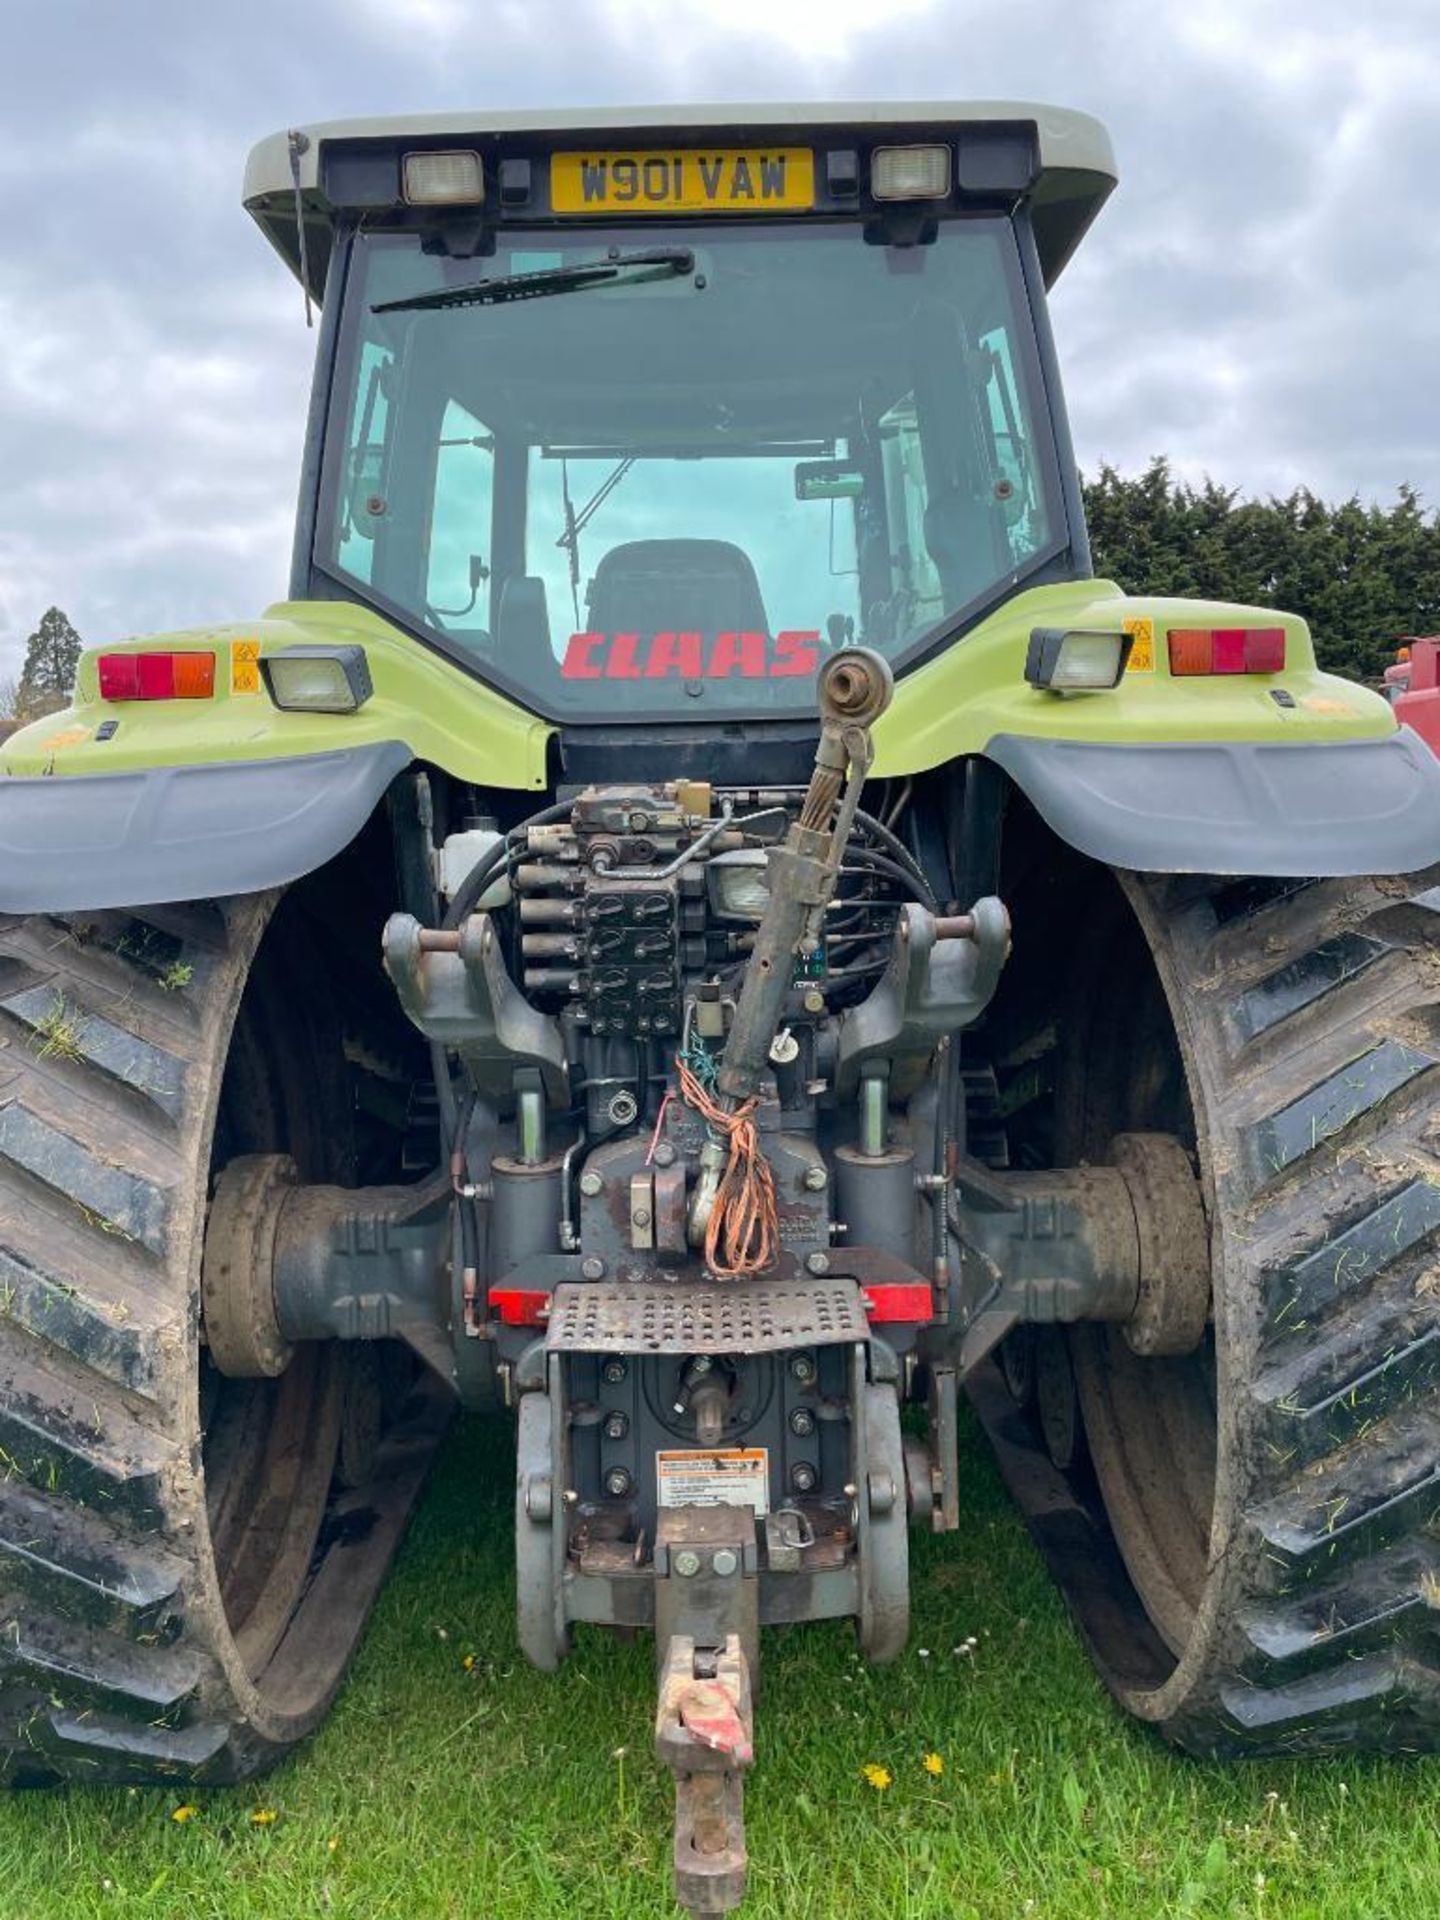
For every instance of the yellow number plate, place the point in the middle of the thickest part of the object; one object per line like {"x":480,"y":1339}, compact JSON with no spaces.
{"x":722,"y":180}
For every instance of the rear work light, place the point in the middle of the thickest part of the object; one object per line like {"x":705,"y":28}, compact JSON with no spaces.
{"x":1195,"y":650}
{"x":156,"y":676}
{"x":318,"y":679}
{"x":1064,"y":660}
{"x":910,"y":173}
{"x":443,"y":179}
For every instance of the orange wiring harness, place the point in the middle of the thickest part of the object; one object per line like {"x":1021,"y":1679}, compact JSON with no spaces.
{"x":743,"y":1232}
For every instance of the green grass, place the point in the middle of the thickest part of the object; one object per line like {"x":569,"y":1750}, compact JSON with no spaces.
{"x":438,"y":1792}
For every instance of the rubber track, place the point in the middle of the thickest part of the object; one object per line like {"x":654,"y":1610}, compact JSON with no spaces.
{"x":115,"y":1659}
{"x":1310,"y":1018}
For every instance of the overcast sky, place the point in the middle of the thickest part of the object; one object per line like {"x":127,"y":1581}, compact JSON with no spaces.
{"x":1258,"y":300}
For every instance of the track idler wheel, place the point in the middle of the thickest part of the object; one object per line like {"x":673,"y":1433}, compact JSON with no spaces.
{"x":236,"y":1276}
{"x":1173,"y":1301}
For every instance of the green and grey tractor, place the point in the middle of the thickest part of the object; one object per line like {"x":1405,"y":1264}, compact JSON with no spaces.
{"x":701,"y":923}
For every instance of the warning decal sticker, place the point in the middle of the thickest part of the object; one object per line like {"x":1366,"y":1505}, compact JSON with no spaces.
{"x":244,"y":666}
{"x":1142,"y":652}
{"x":726,"y":1477}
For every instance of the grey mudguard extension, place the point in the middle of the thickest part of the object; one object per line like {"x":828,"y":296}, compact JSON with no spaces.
{"x":183,"y":833}
{"x":1313,"y":808}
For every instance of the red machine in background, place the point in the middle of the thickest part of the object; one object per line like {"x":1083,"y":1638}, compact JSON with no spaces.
{"x":1412,"y":686}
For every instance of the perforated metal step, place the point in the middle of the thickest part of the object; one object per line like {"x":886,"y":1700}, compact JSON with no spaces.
{"x":744,"y":1317}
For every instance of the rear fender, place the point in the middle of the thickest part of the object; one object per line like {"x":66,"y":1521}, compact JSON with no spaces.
{"x":140,"y":838}
{"x":1317,"y":808}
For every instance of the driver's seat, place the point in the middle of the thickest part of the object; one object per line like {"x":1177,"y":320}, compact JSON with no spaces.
{"x":673,"y":586}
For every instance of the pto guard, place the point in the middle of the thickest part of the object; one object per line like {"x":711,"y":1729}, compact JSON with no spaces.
{"x":1318,"y":808}
{"x":92,"y":841}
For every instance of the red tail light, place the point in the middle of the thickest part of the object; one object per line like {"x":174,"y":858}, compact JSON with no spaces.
{"x":1227,"y":650}
{"x":157,"y":676}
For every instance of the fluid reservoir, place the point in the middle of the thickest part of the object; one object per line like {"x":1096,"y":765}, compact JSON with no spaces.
{"x":461,"y":854}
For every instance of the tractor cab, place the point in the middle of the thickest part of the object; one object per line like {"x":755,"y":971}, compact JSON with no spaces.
{"x":646,"y":419}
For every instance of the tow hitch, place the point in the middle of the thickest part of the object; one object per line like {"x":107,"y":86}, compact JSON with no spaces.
{"x":707,"y":1622}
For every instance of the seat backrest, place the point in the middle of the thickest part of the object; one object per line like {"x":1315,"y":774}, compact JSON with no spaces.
{"x":670,"y":586}
{"x":522,"y":625}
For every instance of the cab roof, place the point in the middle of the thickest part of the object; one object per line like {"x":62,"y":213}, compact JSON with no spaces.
{"x":1073,"y":172}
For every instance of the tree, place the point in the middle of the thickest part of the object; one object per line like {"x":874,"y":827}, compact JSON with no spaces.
{"x":9,"y":697}
{"x":1362,"y":576}
{"x":52,"y":653}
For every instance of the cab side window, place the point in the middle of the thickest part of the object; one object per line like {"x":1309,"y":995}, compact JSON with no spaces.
{"x":366,"y":456}
{"x":457,"y":579}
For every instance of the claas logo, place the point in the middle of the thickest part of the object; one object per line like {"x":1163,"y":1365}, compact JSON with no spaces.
{"x":691,"y":656}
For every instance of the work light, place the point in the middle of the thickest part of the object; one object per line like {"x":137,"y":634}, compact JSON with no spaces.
{"x":910,"y":173}
{"x":739,"y":887}
{"x":318,"y":679}
{"x":443,"y":179}
{"x":1068,"y":660}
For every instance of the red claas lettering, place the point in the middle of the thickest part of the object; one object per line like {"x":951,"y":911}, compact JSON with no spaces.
{"x":691,"y":656}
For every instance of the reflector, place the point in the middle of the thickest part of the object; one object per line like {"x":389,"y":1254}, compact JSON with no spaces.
{"x":194,"y":676}
{"x":1265,"y":650}
{"x":1205,"y":650}
{"x":156,"y":676}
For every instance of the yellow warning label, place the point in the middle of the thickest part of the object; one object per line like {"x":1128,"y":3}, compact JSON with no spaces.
{"x":244,"y":666}
{"x":68,"y":737}
{"x":1142,"y":651}
{"x":723,"y":1477}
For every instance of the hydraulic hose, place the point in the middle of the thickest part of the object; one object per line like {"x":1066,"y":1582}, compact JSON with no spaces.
{"x":483,"y":871}
{"x":900,"y":852}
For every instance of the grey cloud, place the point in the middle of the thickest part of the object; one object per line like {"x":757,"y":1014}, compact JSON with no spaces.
{"x":1257,"y":301}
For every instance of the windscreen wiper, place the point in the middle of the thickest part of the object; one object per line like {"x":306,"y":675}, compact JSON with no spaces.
{"x":535,"y":286}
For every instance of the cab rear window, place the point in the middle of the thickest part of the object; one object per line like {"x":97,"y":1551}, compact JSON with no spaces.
{"x":676,"y":490}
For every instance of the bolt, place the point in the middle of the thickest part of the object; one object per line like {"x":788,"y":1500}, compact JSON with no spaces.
{"x":664,"y":1154}
{"x":802,"y":1421}
{"x":686,"y":1563}
{"x":591,"y":1184}
{"x":617,"y":1425}
{"x":617,"y":1483}
{"x":803,"y":1477}
{"x":725,"y":1561}
{"x":592,"y":1267}
{"x":817,"y":1262}
{"x":614,"y":1371}
{"x":623,"y":1108}
{"x":814,"y":1000}
{"x":802,"y":1368}
{"x":816,"y":1179}
{"x":641,"y":1216}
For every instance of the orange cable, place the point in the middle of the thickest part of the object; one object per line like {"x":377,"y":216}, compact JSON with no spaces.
{"x":743,"y":1232}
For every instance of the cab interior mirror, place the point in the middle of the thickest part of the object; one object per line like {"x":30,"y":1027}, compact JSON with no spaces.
{"x":828,"y":480}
